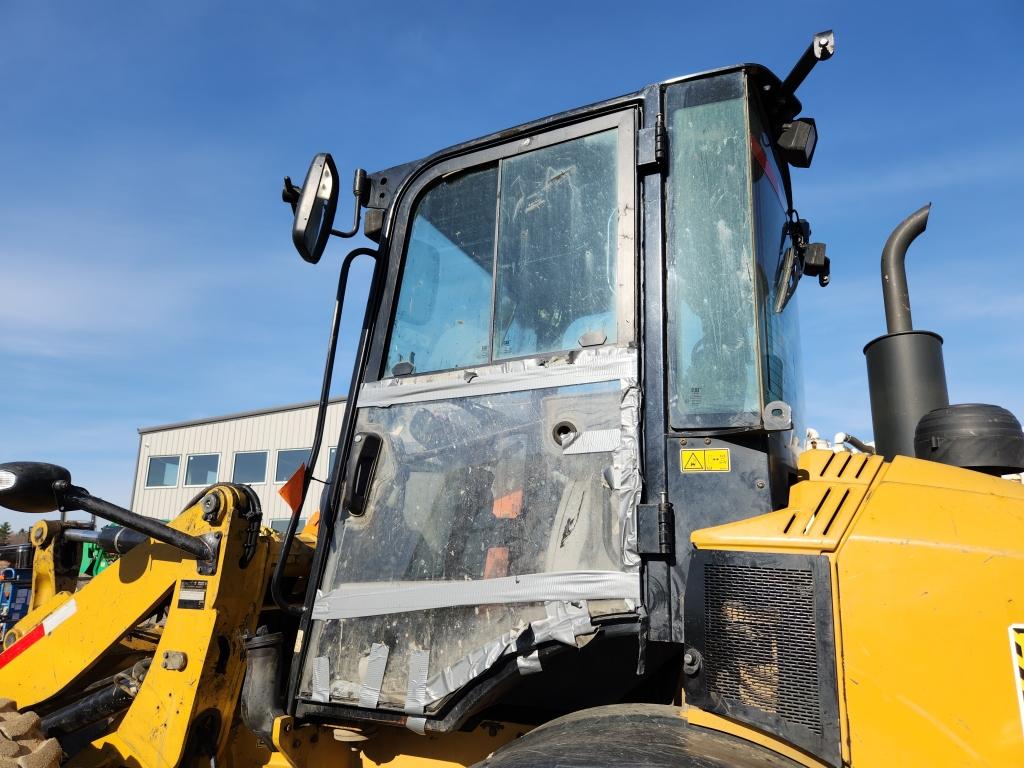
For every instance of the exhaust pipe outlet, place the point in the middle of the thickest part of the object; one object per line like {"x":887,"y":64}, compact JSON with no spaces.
{"x":906,"y":372}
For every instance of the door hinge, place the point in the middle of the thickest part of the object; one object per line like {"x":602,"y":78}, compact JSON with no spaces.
{"x":652,"y":144}
{"x":656,"y":529}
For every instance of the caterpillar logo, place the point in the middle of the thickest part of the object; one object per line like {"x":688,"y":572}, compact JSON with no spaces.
{"x":1017,"y":651}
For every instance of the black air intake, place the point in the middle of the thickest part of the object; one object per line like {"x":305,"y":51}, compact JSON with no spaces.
{"x":906,"y":373}
{"x":985,"y":438}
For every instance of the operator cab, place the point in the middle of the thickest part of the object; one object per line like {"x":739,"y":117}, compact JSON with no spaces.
{"x":556,"y":310}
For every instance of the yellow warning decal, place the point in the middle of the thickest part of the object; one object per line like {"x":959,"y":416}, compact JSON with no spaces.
{"x":705,"y":460}
{"x":1017,"y":652}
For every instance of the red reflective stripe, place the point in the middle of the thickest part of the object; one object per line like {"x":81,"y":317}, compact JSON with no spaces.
{"x":22,"y":645}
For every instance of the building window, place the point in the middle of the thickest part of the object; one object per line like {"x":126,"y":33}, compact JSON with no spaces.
{"x":162,"y":472}
{"x":250,"y":467}
{"x":330,"y":457}
{"x":201,"y":469}
{"x":288,"y":462}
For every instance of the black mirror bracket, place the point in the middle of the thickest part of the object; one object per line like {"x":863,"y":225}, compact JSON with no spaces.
{"x":361,"y":193}
{"x":290,"y":193}
{"x":822,"y":47}
{"x":801,"y":258}
{"x":811,"y":256}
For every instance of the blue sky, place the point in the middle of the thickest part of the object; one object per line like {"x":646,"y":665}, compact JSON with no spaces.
{"x":146,"y":269}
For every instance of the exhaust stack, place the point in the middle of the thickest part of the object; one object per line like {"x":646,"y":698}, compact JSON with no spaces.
{"x":906,"y":373}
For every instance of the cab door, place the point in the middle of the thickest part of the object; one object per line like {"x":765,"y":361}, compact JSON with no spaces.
{"x":490,"y":496}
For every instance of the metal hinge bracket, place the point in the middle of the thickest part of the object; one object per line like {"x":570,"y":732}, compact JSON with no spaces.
{"x":652,"y":145}
{"x":656,"y":529}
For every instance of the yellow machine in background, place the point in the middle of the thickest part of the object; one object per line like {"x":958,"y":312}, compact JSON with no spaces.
{"x":569,"y":521}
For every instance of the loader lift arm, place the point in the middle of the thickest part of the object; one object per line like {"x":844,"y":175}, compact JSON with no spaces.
{"x":186,"y":702}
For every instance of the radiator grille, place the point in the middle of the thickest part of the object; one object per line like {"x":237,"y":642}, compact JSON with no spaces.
{"x":761,"y":645}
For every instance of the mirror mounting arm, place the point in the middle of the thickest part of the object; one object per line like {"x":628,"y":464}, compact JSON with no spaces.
{"x":290,"y":193}
{"x":822,"y":46}
{"x":359,"y":192}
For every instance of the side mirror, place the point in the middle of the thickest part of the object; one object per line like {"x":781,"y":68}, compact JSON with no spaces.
{"x":314,"y":211}
{"x":27,"y":486}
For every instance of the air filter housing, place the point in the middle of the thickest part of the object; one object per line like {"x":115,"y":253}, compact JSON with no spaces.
{"x":985,"y":438}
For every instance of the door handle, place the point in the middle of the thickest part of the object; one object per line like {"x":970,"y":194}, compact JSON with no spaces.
{"x":362,"y":465}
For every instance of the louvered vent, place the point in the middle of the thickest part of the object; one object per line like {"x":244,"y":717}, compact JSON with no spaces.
{"x":762,"y":625}
{"x":761,"y":643}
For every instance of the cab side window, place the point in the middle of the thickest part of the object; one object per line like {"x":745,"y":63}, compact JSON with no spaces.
{"x":515,"y":259}
{"x":557,"y":248}
{"x":443,"y":316}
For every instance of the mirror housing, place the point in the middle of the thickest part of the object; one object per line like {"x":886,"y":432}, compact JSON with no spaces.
{"x":28,"y":486}
{"x":315,"y":209}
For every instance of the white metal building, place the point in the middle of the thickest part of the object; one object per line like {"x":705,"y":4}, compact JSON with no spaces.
{"x":259,"y":448}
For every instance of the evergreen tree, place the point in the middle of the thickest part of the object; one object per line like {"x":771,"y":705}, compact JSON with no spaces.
{"x":5,"y":533}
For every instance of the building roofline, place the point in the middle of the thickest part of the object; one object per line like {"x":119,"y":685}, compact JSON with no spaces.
{"x":238,"y":415}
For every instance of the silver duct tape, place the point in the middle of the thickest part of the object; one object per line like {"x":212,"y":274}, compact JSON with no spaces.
{"x":563,"y":620}
{"x":624,"y":476}
{"x":416,"y":692}
{"x":564,"y":623}
{"x":379,"y":598}
{"x":530,"y":664}
{"x":594,"y":441}
{"x":320,"y":684}
{"x":472,"y":665}
{"x":373,"y":679}
{"x":588,"y":366}
{"x":417,"y":725}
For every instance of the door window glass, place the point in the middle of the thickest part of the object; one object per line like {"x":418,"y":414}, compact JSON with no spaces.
{"x":471,"y":489}
{"x":556,"y":211}
{"x":444,"y":310}
{"x":557,"y":248}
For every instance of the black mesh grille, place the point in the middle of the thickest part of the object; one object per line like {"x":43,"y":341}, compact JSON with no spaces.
{"x":760,"y":640}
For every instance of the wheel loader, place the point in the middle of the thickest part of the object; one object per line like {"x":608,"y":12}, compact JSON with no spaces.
{"x":571,"y":521}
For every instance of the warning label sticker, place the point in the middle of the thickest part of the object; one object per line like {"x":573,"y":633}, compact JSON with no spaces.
{"x":704,"y":460}
{"x":192,"y":594}
{"x":1017,"y":653}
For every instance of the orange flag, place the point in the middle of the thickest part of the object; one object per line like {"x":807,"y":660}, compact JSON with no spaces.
{"x":291,"y":491}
